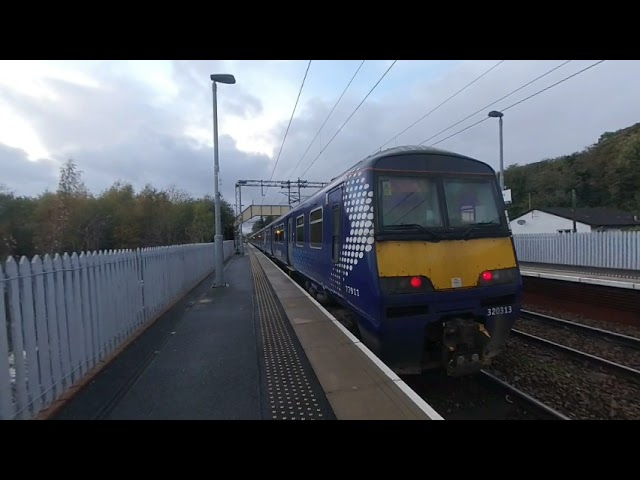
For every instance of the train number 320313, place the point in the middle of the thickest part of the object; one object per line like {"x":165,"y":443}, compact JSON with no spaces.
{"x":499,"y":310}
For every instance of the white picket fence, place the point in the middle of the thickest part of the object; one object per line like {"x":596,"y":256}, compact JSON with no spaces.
{"x":68,"y":313}
{"x":611,"y":250}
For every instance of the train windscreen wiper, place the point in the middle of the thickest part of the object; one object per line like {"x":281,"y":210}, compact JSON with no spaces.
{"x":468,"y":231}
{"x":414,"y":226}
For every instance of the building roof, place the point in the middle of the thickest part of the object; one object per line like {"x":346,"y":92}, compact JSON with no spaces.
{"x":594,"y":216}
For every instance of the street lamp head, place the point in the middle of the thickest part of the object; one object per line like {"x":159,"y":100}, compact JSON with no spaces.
{"x":495,"y":114}
{"x":223,"y":78}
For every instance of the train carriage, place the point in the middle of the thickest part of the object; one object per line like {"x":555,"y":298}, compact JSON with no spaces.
{"x":416,"y":243}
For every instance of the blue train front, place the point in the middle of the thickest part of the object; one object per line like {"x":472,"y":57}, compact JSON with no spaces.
{"x":416,"y":243}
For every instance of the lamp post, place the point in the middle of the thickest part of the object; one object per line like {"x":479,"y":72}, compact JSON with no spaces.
{"x":218,"y":244}
{"x":240,"y":183}
{"x":499,"y":115}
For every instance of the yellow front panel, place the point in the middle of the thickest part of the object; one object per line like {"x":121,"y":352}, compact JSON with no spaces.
{"x":449,"y":263}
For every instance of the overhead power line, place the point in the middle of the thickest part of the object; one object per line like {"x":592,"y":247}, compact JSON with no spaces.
{"x":447,"y":100}
{"x":352,"y":113}
{"x":521,"y":101}
{"x":290,"y":120}
{"x":483,"y":109}
{"x":326,"y":119}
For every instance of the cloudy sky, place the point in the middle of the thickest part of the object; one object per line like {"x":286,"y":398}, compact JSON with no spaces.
{"x":151,"y":121}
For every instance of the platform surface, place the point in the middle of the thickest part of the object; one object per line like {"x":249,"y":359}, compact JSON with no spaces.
{"x":357,"y":384}
{"x":203,"y":360}
{"x":616,"y":279}
{"x":260,"y":348}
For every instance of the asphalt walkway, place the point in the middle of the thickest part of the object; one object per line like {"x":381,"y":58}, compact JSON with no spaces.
{"x":204,"y":359}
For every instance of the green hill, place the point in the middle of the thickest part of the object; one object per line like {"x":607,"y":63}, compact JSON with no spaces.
{"x":605,"y":174}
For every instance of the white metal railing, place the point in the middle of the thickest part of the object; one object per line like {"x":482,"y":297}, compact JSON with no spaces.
{"x":66,"y":313}
{"x":611,"y":250}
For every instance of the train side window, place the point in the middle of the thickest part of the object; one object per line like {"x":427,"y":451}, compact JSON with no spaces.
{"x":315,"y":228}
{"x":279,"y":237}
{"x":300,"y":231}
{"x":335,"y":233}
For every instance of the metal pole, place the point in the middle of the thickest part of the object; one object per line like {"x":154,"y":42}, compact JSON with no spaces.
{"x":218,"y":245}
{"x":240,"y":226}
{"x":235,"y":227}
{"x":501,"y":158}
{"x":573,"y":205}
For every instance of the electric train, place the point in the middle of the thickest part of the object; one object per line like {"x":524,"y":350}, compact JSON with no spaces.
{"x":415,"y":242}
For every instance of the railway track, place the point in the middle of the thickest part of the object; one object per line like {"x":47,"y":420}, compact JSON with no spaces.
{"x":534,"y":404}
{"x":615,"y":337}
{"x":493,"y":395}
{"x":583,"y":371}
{"x":603,"y":348}
{"x":482,"y":396}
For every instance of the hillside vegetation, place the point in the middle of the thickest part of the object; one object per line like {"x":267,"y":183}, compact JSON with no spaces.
{"x":72,"y":219}
{"x":605,"y":174}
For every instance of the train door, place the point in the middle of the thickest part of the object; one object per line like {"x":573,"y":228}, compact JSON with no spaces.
{"x":290,"y":241}
{"x":335,"y":209}
{"x":272,"y":239}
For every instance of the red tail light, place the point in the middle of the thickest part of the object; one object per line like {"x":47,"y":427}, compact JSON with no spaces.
{"x":499,"y":277}
{"x":405,"y":285}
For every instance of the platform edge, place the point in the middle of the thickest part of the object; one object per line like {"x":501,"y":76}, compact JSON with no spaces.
{"x":413,"y":396}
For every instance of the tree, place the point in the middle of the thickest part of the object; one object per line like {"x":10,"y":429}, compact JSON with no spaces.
{"x":262,"y":222}
{"x":202,"y":226}
{"x":65,"y":223}
{"x":606,"y":174}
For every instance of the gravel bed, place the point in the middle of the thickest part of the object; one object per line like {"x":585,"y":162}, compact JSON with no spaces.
{"x":630,"y":330}
{"x":568,"y":337}
{"x":574,"y":387}
{"x":470,"y":398}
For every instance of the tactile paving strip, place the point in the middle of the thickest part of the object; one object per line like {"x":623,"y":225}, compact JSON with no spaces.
{"x":293,"y":391}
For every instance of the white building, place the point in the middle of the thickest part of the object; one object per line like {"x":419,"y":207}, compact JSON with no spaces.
{"x":560,"y":220}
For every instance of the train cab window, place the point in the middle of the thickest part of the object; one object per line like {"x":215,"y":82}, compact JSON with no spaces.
{"x":315,"y":228}
{"x":300,"y":231}
{"x":409,"y":200}
{"x":471,"y":201}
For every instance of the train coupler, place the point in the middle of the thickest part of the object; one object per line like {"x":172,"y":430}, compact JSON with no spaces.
{"x":464,"y":341}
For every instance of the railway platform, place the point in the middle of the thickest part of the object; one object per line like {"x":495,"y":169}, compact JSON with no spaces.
{"x":598,"y":294}
{"x":626,"y":279}
{"x":259,"y":348}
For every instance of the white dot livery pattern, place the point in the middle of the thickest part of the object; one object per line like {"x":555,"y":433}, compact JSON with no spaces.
{"x":356,"y":203}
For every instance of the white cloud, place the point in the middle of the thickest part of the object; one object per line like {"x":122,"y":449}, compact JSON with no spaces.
{"x":151,"y":121}
{"x":16,"y":132}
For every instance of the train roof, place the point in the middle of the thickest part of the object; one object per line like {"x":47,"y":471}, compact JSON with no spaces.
{"x":374,"y":160}
{"x":406,"y":149}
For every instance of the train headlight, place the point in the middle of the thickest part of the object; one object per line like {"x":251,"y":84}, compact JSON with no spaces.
{"x":498,"y":277}
{"x":403,"y":285}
